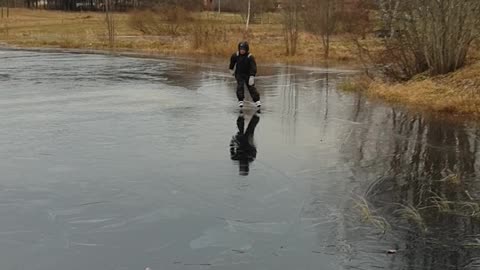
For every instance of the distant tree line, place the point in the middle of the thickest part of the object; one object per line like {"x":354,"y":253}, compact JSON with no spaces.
{"x":116,"y":5}
{"x":124,"y":5}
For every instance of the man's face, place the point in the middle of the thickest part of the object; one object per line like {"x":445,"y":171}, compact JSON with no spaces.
{"x":243,"y":51}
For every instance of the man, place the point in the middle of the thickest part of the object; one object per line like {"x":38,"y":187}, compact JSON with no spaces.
{"x":244,"y":67}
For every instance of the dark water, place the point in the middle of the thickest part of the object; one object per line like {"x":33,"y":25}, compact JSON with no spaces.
{"x":122,"y":163}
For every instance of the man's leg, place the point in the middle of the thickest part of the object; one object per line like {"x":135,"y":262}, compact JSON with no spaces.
{"x":254,"y":93}
{"x":240,"y":88}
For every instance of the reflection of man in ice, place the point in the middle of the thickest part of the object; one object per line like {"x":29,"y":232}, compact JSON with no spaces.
{"x":242,"y":147}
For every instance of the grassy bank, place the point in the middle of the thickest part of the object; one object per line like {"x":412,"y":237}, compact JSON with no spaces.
{"x":87,"y":30}
{"x":457,"y":93}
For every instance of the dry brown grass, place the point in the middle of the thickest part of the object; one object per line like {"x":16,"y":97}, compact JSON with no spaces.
{"x":455,"y":94}
{"x":359,"y":83}
{"x":86,"y":30}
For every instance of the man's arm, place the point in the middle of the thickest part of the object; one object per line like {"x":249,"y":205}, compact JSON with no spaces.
{"x":253,"y":66}
{"x":233,"y":61}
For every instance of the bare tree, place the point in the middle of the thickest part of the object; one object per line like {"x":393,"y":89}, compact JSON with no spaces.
{"x":248,"y":15}
{"x":389,"y":12}
{"x":5,"y":4}
{"x":165,"y":20}
{"x":291,"y":25}
{"x":321,"y":19}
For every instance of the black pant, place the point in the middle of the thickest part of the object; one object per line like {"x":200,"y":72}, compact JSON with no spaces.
{"x":242,"y":80}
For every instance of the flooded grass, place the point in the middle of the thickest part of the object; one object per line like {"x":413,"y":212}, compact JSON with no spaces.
{"x":459,"y":208}
{"x":413,"y":215}
{"x":369,"y":217}
{"x":451,"y":199}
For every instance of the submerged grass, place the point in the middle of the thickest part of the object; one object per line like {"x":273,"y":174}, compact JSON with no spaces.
{"x":435,"y":201}
{"x":368,"y":216}
{"x":412,"y":214}
{"x":460,"y":208}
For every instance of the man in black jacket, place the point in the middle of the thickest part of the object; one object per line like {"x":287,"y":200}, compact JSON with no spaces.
{"x":244,"y":67}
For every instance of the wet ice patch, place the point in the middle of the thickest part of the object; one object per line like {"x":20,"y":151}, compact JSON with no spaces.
{"x":90,"y":221}
{"x":222,"y":237}
{"x":60,"y":169}
{"x":259,"y":227}
{"x":4,"y":76}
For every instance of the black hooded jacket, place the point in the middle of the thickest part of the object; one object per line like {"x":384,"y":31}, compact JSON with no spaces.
{"x":245,"y":64}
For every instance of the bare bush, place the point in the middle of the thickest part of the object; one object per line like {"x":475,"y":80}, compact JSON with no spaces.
{"x":147,"y":22}
{"x":355,"y":18}
{"x":164,"y":20}
{"x":207,"y":36}
{"x":173,"y":14}
{"x":427,"y":36}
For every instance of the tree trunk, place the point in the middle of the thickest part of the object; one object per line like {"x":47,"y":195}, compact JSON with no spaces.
{"x":110,"y":22}
{"x":248,"y":15}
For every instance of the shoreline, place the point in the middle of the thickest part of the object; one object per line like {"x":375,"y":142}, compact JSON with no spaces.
{"x":379,"y":92}
{"x":349,"y":67}
{"x":450,"y":97}
{"x":456,"y":94}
